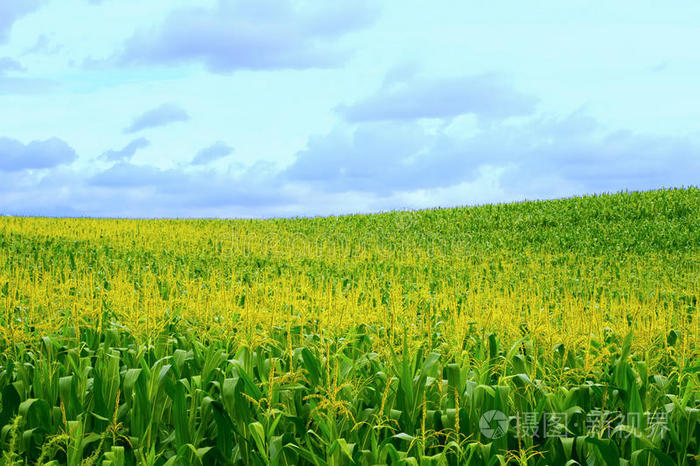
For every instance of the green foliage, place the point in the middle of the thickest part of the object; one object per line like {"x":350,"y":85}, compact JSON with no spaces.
{"x":397,"y":338}
{"x":330,"y":404}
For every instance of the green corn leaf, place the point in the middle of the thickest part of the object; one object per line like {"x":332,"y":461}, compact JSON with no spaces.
{"x":607,"y":449}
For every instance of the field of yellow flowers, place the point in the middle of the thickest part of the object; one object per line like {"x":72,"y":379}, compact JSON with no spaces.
{"x":551,"y":332}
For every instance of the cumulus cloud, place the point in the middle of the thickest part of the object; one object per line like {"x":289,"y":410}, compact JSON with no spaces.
{"x":43,"y":45}
{"x":369,"y":167}
{"x":538,"y":158}
{"x":251,"y":34}
{"x":390,"y":149}
{"x":376,"y":157}
{"x":126,"y":175}
{"x":178,"y":187}
{"x":9,"y":64}
{"x":159,"y":116}
{"x":15,"y":156}
{"x":12,"y":84}
{"x":126,"y":152}
{"x":486,"y":95}
{"x":11,"y":11}
{"x":575,"y":154}
{"x":214,"y":152}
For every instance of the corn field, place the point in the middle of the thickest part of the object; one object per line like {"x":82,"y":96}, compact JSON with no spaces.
{"x":539,"y":333}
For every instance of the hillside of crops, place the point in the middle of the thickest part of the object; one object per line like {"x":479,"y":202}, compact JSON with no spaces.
{"x":558,"y":332}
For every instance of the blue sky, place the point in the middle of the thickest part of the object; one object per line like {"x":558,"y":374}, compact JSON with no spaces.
{"x":259,"y":108}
